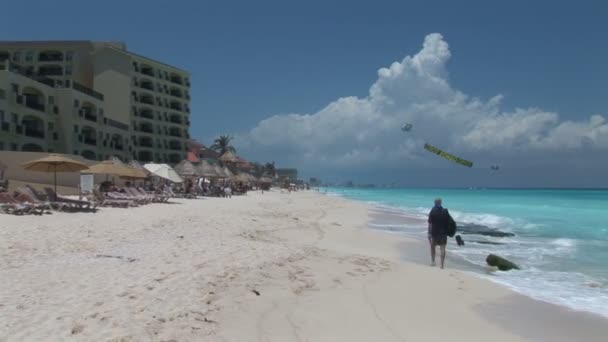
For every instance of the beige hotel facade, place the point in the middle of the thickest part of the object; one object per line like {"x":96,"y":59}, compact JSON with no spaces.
{"x":94,"y":99}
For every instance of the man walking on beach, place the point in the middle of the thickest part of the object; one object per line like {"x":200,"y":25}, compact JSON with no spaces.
{"x":437,"y":231}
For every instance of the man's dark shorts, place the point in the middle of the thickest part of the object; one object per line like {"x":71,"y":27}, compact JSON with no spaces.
{"x":439,"y":240}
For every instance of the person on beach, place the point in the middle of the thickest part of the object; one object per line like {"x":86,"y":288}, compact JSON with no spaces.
{"x":437,"y":230}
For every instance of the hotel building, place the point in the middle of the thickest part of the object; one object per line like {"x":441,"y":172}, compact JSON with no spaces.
{"x":93,"y":99}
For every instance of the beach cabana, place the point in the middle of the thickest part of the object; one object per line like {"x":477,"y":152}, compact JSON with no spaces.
{"x":229,"y":157}
{"x":186,"y":169}
{"x":206,"y":170}
{"x":54,"y":163}
{"x":164,"y":171}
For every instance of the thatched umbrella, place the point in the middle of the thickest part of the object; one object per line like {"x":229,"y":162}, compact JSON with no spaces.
{"x":228,"y":173}
{"x":206,"y":170}
{"x":116,"y":168}
{"x":219,"y":171}
{"x":265,"y":180}
{"x":54,"y":163}
{"x":242,"y":177}
{"x":137,"y":165}
{"x":229,"y":157}
{"x":186,"y":169}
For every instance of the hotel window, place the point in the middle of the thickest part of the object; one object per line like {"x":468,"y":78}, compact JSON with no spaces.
{"x":14,"y":147}
{"x":29,"y":56}
{"x":68,"y":70}
{"x":17,"y":56}
{"x":69,"y":56}
{"x":15,"y":87}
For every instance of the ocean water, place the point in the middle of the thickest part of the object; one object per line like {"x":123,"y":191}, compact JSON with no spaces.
{"x":560,"y":242}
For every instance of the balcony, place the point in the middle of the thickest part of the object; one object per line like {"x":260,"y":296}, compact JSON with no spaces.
{"x":175,"y":133}
{"x":147,"y":71}
{"x":175,"y":146}
{"x":90,"y":141}
{"x":33,"y":104}
{"x":176,"y":93}
{"x":50,"y":56}
{"x":86,"y":90}
{"x":146,"y":143}
{"x":176,"y":106}
{"x":146,"y":114}
{"x":176,"y":79}
{"x":50,"y":70}
{"x":147,"y":85}
{"x":88,"y":114}
{"x":146,"y":129}
{"x":176,"y":119}
{"x":34,"y":133}
{"x":147,"y":100}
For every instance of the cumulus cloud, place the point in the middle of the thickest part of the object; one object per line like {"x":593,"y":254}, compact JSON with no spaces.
{"x":359,"y":132}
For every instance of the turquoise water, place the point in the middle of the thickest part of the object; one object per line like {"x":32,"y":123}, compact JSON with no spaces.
{"x":561,"y":236}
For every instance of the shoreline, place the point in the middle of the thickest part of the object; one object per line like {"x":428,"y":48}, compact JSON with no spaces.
{"x":400,"y":222}
{"x":266,"y":267}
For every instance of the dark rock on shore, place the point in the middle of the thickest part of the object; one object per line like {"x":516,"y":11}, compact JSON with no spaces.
{"x":487,"y":242}
{"x":502,"y":263}
{"x":468,"y":228}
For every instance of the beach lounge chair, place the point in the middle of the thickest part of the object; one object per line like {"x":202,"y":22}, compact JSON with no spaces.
{"x":105,"y":201}
{"x":123,"y":196}
{"x":81,"y":205}
{"x":41,"y":198}
{"x":15,"y":207}
{"x":22,"y":196}
{"x":160,"y":198}
{"x":133,"y":193}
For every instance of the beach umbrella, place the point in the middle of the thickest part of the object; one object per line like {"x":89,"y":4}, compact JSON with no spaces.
{"x":229,"y":157}
{"x":115,"y":168}
{"x":220,"y":172}
{"x":205,"y":169}
{"x":54,"y":163}
{"x":266,"y":180}
{"x":164,"y":171}
{"x":242,"y":177}
{"x":186,"y":169}
{"x":137,"y":165}
{"x":228,"y":173}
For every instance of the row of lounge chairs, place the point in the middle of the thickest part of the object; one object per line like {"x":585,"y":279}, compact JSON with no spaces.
{"x":131,"y":197}
{"x":28,"y":200}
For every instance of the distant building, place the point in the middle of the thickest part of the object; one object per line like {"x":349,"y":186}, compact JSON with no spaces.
{"x":93,"y":99}
{"x":201,"y":151}
{"x":288,"y":174}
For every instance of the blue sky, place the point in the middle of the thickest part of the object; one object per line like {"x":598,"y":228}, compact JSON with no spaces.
{"x":254,"y":60}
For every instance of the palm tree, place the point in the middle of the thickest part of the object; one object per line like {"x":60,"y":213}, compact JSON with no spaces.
{"x":270,"y":169}
{"x":222,"y":144}
{"x":258,"y":170}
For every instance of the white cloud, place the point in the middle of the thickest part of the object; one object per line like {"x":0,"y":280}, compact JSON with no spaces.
{"x":355,"y":132}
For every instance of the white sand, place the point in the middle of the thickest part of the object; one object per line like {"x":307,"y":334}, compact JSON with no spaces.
{"x":188,"y":272}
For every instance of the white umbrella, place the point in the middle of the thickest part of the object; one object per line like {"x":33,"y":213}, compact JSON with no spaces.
{"x":164,"y":171}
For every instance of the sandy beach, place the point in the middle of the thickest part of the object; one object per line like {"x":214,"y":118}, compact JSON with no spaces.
{"x":262,"y":267}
